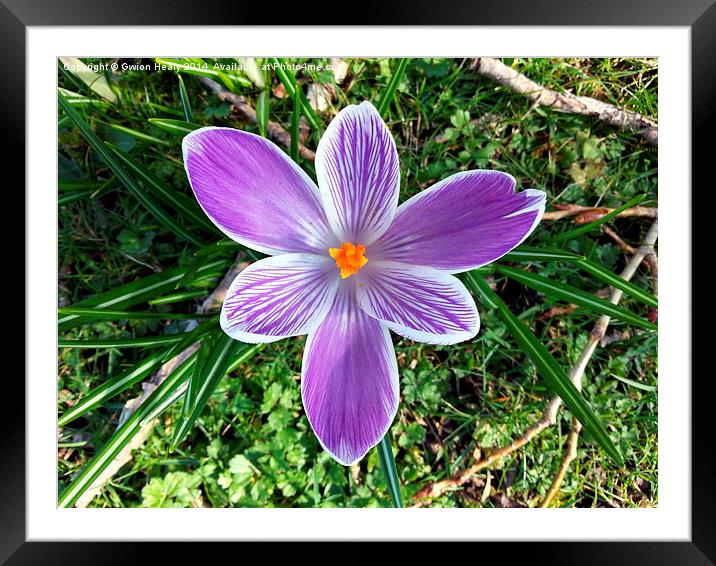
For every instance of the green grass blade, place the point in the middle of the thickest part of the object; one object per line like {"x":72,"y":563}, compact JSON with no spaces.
{"x":197,"y":334}
{"x":208,"y":343}
{"x":556,"y":379}
{"x":201,"y":68}
{"x":109,"y":314}
{"x":262,"y":112}
{"x":617,"y":282}
{"x":295,"y":125}
{"x":122,"y":174}
{"x":177,"y":297}
{"x":216,"y":248}
{"x":183,"y":205}
{"x":592,"y":225}
{"x":244,"y":356}
{"x":145,"y":342}
{"x":526,"y":253}
{"x":96,"y":82}
{"x":224,"y":351}
{"x":287,"y":78}
{"x":138,"y":291}
{"x":184,"y":97}
{"x":562,"y":291}
{"x":176,"y":127}
{"x":123,"y":435}
{"x":389,"y":92}
{"x":141,"y":136}
{"x":387,"y":463}
{"x":114,"y":386}
{"x":193,"y":269}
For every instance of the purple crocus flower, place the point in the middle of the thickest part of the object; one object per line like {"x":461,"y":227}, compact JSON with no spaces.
{"x":347,"y":263}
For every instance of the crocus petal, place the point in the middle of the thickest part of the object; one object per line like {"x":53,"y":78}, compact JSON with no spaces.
{"x":349,"y":380}
{"x":420,"y":303}
{"x":277,"y":297}
{"x":358,"y":173}
{"x":254,"y":193}
{"x":465,"y":221}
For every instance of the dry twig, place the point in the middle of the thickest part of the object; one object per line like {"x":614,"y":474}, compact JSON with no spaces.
{"x":595,"y":337}
{"x":247,"y":112}
{"x":211,"y":303}
{"x":549,"y":416}
{"x":587,"y":214}
{"x":566,"y":102}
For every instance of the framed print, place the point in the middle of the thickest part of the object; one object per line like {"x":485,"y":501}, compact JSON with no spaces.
{"x":371,"y":282}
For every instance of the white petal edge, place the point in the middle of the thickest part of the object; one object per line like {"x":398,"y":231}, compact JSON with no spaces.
{"x":316,"y":318}
{"x":419,"y":335}
{"x":395,"y":387}
{"x":335,"y":222}
{"x":240,"y":239}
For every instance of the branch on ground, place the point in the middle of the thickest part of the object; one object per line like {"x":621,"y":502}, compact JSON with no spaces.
{"x":549,"y":416}
{"x":247,"y":112}
{"x":210,"y":304}
{"x":566,"y":102}
{"x":595,"y":336}
{"x":587,"y":214}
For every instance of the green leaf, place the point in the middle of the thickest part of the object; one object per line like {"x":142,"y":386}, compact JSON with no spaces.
{"x":145,"y":342}
{"x":295,"y":125}
{"x":618,"y":282}
{"x":109,"y":314}
{"x":184,"y":206}
{"x":194,"y":268}
{"x":113,"y":386}
{"x":193,"y":336}
{"x":287,"y":78}
{"x":262,"y":112}
{"x":184,"y":97}
{"x":177,"y":297}
{"x":203,"y":384}
{"x":96,"y":82}
{"x":387,"y":463}
{"x":389,"y":92}
{"x":635,"y":384}
{"x":176,"y":127}
{"x":138,"y":135}
{"x":201,"y":68}
{"x":570,"y":234}
{"x":123,"y":435}
{"x":565,"y":292}
{"x":526,"y":253}
{"x":122,"y":174}
{"x":138,"y":291}
{"x":557,"y":380}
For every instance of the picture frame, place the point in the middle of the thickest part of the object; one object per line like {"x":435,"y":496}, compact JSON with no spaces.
{"x":700,"y":17}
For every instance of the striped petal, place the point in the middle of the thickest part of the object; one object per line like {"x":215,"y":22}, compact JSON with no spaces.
{"x":277,"y":297}
{"x":349,"y":380}
{"x":465,"y":221}
{"x":358,"y":173}
{"x":254,"y":193}
{"x":419,"y":303}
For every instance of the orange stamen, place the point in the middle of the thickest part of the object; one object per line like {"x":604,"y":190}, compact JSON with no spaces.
{"x":349,"y":258}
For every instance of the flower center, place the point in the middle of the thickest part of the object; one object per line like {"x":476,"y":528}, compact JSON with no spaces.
{"x":349,"y":258}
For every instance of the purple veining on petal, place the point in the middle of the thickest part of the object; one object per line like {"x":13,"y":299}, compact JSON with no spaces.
{"x":254,"y":193}
{"x":465,"y":221}
{"x":419,"y":303}
{"x":349,"y":380}
{"x":358,"y":173}
{"x":277,"y":297}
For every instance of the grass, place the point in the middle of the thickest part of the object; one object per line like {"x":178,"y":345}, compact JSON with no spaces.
{"x":252,"y":444}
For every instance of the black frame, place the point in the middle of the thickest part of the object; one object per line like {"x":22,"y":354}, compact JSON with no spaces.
{"x":699,"y":15}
